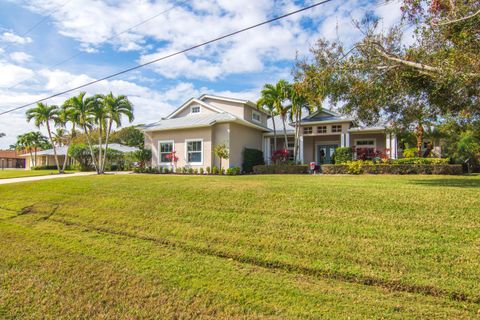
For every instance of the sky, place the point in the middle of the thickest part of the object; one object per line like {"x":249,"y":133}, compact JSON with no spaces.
{"x":48,"y":46}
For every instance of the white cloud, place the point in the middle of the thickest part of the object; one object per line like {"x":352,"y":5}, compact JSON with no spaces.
{"x":12,"y":74}
{"x":20,"y":57}
{"x":11,"y":37}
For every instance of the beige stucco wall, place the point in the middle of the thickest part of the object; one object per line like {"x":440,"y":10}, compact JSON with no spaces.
{"x":242,"y":137}
{"x":234,"y":108}
{"x":220,"y":134}
{"x":248,"y":116}
{"x":179,"y":136}
{"x":186,"y":111}
{"x":42,"y":161}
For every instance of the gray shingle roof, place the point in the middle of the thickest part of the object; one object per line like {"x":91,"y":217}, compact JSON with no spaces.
{"x":190,"y":121}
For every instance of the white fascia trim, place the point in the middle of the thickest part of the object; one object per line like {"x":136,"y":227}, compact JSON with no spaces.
{"x":367,"y":130}
{"x":248,"y":124}
{"x":308,"y":123}
{"x":211,"y":96}
{"x":188,"y":102}
{"x":182,"y":127}
{"x":201,"y":153}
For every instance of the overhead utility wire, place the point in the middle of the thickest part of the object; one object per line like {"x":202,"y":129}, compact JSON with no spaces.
{"x":108,"y":39}
{"x":170,"y":55}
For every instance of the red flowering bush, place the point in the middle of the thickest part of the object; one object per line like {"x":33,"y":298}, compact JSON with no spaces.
{"x":280,"y":156}
{"x":370,"y":153}
{"x":172,"y":157}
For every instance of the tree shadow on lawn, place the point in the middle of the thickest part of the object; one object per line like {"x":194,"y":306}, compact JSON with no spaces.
{"x":470,"y":182}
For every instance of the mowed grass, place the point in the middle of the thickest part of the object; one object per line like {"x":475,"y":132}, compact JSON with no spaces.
{"x":146,"y":246}
{"x":7,"y":174}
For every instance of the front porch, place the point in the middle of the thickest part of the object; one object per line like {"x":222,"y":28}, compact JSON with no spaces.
{"x":320,"y":148}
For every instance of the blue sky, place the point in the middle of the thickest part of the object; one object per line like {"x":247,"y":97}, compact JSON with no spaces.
{"x":236,"y":67}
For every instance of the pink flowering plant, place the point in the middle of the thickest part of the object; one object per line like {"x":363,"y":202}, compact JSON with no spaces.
{"x":173,"y":158}
{"x":280,"y":156}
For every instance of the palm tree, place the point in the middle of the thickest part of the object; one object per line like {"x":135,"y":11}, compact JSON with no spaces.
{"x":82,"y":116}
{"x":42,"y":115}
{"x":267,"y":104}
{"x":99,"y":115}
{"x":30,"y":142}
{"x":276,"y":95}
{"x":115,"y":108}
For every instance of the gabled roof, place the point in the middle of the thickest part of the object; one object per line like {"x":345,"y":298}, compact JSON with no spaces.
{"x":325,"y":116}
{"x":189,"y":102}
{"x":200,"y":120}
{"x":242,"y":101}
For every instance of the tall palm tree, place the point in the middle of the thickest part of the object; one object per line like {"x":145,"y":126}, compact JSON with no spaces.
{"x":42,"y":114}
{"x":30,"y":142}
{"x":81,"y":107}
{"x":267,"y":105}
{"x":99,"y":115}
{"x":115,"y":108}
{"x":276,"y":95}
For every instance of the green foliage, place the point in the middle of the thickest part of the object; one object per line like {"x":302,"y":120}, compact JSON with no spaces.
{"x":251,"y":158}
{"x":214,"y":170}
{"x":129,"y":136}
{"x":221,"y":151}
{"x":281,"y":169}
{"x":410,"y":153}
{"x":81,"y":154}
{"x":357,"y":167}
{"x":468,"y":149}
{"x":142,"y":156}
{"x":54,"y":167}
{"x":222,"y":171}
{"x":416,"y":160}
{"x":343,"y":155}
{"x":201,"y":171}
{"x":209,"y":170}
{"x":178,"y":170}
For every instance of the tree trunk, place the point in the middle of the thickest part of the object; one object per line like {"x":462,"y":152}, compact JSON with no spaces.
{"x":274,"y":133}
{"x":107,"y":135}
{"x":54,"y":148}
{"x":285,"y":133}
{"x":90,"y":147}
{"x":100,"y":169}
{"x":419,"y":133}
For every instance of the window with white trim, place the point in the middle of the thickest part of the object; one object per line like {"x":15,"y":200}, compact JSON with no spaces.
{"x":365,"y":143}
{"x":307,"y":130}
{"x":256,"y":116}
{"x":337,"y":128}
{"x":322,"y":129}
{"x":195,"y":109}
{"x":194,"y":151}
{"x":165,"y":148}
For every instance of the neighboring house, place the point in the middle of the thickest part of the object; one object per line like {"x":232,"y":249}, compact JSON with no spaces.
{"x":47,"y":157}
{"x":11,"y":159}
{"x":199,"y":124}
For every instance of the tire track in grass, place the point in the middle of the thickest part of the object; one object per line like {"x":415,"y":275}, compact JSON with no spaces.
{"x":391,"y":285}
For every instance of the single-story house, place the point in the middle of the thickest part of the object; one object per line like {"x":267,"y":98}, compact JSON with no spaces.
{"x":47,"y":157}
{"x":194,"y":128}
{"x":11,"y":159}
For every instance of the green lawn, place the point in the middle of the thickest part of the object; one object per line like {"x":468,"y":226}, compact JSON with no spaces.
{"x":301,"y":247}
{"x":7,"y":174}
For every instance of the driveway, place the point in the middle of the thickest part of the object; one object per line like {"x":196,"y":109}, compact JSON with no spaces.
{"x":53,"y":176}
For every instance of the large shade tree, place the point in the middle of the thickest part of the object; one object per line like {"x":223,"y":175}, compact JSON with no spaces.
{"x":380,"y":78}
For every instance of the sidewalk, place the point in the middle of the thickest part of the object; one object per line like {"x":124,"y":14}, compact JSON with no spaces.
{"x":52,"y":176}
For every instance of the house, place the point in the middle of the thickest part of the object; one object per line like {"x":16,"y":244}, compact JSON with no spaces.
{"x":194,"y":128}
{"x":11,"y":159}
{"x":47,"y":157}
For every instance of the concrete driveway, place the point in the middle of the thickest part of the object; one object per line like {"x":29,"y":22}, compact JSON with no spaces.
{"x":47,"y":177}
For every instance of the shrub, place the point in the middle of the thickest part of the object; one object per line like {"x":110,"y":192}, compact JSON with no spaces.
{"x":222,"y":172}
{"x":416,"y":160}
{"x":280,"y":156}
{"x":281,"y":168}
{"x":370,"y":168}
{"x":54,"y":167}
{"x":178,"y":170}
{"x":237,"y":171}
{"x":343,"y":154}
{"x":410,"y":153}
{"x":214,"y":170}
{"x":208,"y":170}
{"x":229,"y":172}
{"x":190,"y":170}
{"x":251,"y":158}
{"x":201,"y":171}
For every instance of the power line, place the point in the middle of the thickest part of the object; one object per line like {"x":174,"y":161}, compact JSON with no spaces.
{"x":39,"y":22}
{"x":108,"y":39}
{"x":171,"y":55}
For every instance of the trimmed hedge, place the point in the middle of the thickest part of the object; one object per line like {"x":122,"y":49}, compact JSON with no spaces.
{"x":251,"y":158}
{"x":280,"y":168}
{"x":447,"y":169}
{"x":343,"y":154}
{"x":52,"y":167}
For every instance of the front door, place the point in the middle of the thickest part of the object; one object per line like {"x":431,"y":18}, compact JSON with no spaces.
{"x":325,"y":153}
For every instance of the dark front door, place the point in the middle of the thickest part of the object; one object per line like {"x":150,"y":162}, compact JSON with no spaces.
{"x":325,"y":153}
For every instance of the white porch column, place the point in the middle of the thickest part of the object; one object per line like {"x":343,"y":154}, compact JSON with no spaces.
{"x":394,"y":143}
{"x":388,"y":145}
{"x":300,"y":149}
{"x":347,"y":139}
{"x":342,"y":140}
{"x":266,"y":150}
